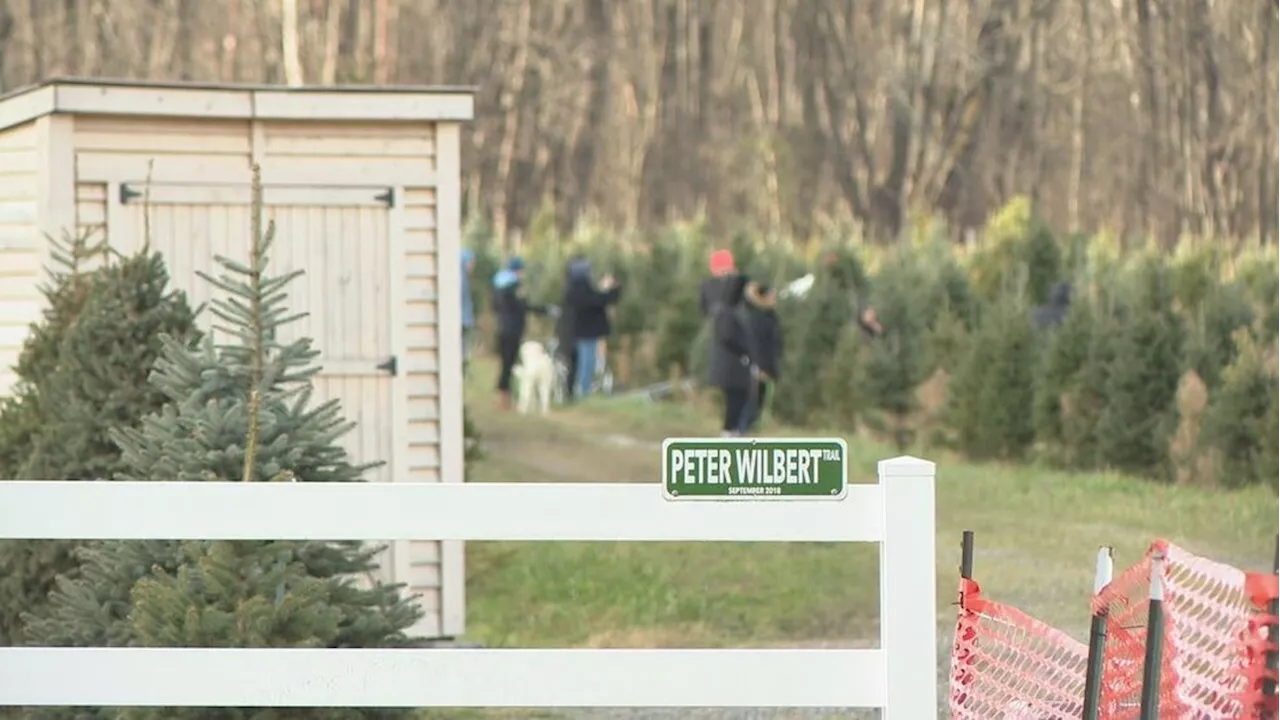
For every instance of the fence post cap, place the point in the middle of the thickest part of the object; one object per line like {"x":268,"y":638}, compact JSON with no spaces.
{"x":906,"y":466}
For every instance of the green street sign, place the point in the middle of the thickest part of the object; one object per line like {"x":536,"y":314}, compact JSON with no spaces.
{"x":755,"y":468}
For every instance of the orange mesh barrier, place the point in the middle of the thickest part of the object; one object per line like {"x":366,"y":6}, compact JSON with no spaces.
{"x":1262,"y":590}
{"x":1006,"y":665}
{"x":1209,"y":623}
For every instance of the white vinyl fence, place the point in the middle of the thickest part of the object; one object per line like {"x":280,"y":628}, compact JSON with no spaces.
{"x":897,"y":513}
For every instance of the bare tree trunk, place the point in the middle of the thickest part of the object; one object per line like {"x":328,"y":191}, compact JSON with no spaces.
{"x":228,"y":68}
{"x":164,"y":42}
{"x":1268,"y":176}
{"x":382,"y":35}
{"x":599,"y":41}
{"x":6,"y":33}
{"x":511,"y":120}
{"x":289,"y":43}
{"x":1078,"y":115}
{"x":35,"y":45}
{"x":332,"y":37}
{"x":1151,"y":106}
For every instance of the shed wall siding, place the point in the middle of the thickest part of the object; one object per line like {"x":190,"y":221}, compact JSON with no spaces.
{"x":422,"y":372}
{"x":347,"y":153}
{"x":163,"y":149}
{"x":20,"y":244}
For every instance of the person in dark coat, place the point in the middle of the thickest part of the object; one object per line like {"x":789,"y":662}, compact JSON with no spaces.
{"x":1055,"y":311}
{"x":766,"y":334}
{"x":511,"y":307}
{"x":589,"y":307}
{"x":566,"y":337}
{"x":731,"y":366}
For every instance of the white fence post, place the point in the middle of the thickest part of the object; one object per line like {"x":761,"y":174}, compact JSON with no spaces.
{"x":908,"y":589}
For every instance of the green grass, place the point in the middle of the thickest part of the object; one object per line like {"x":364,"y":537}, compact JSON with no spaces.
{"x":1037,"y":533}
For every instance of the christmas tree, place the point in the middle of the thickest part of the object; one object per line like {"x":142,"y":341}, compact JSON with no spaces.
{"x":1142,"y":380}
{"x":65,"y":296}
{"x":1241,"y":418}
{"x":85,"y":371}
{"x":898,"y":361}
{"x":239,"y":409}
{"x":993,"y":389}
{"x":1269,"y":462}
{"x":1066,"y":352}
{"x":819,"y":320}
{"x":1084,"y":397}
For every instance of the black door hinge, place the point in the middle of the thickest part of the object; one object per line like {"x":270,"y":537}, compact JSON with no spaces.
{"x":127,"y":194}
{"x":390,"y":366}
{"x":388,"y":197}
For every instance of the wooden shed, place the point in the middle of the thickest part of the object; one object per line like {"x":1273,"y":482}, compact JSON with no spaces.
{"x":364,"y":186}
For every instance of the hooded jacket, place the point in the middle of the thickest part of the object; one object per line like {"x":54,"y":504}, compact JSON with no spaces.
{"x":509,"y":305}
{"x":468,"y":302}
{"x":732,"y":346}
{"x":765,"y":330}
{"x":586,"y":304}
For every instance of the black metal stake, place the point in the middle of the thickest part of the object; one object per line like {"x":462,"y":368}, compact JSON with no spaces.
{"x":966,"y":555}
{"x":1150,"y":709}
{"x":1273,"y":633}
{"x":1097,"y":640}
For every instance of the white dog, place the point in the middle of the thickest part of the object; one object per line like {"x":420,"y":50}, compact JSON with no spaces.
{"x":535,"y":377}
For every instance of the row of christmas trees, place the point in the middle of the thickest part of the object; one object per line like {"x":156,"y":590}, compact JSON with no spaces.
{"x":117,"y":382}
{"x":1164,"y":366}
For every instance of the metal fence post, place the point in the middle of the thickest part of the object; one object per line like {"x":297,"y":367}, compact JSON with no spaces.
{"x":1097,"y":638}
{"x":1150,"y":708}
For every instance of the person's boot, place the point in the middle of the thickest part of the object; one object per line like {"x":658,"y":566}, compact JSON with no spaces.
{"x":504,"y":399}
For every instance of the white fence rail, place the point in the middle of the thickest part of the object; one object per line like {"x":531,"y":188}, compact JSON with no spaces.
{"x":897,"y":513}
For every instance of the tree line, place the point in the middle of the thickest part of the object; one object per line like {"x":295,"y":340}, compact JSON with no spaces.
{"x":1146,"y":118}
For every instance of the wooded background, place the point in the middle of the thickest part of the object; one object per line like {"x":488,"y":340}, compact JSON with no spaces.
{"x":1136,"y":116}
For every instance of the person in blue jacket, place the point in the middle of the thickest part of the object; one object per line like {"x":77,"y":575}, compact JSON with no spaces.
{"x":511,"y":307}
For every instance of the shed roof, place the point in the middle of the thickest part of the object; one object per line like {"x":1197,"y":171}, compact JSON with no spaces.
{"x":236,"y":101}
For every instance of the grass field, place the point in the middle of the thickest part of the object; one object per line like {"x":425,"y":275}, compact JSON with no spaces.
{"x":1037,"y":533}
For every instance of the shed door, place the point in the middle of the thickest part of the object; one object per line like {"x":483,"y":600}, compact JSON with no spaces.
{"x":340,"y":238}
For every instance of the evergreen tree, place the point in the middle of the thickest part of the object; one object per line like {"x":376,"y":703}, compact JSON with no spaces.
{"x":1044,"y":260}
{"x":1142,"y":382}
{"x":84,"y":378}
{"x":818,"y":320}
{"x":1222,"y":310}
{"x":1085,"y":395}
{"x":992,"y":394}
{"x":65,"y":294}
{"x":1269,"y":464}
{"x":1065,"y":353}
{"x":899,"y":359}
{"x":106,"y":357}
{"x":843,"y":380}
{"x":239,"y":410}
{"x":1240,"y":420}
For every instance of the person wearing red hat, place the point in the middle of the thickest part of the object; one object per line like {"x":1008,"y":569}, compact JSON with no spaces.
{"x":721,"y":264}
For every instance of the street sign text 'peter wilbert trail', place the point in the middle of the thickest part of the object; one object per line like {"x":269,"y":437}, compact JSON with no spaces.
{"x":754,"y":468}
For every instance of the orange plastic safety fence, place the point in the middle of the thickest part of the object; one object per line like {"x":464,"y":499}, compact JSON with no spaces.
{"x":1006,"y":665}
{"x":1204,"y":663}
{"x":1263,"y":589}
